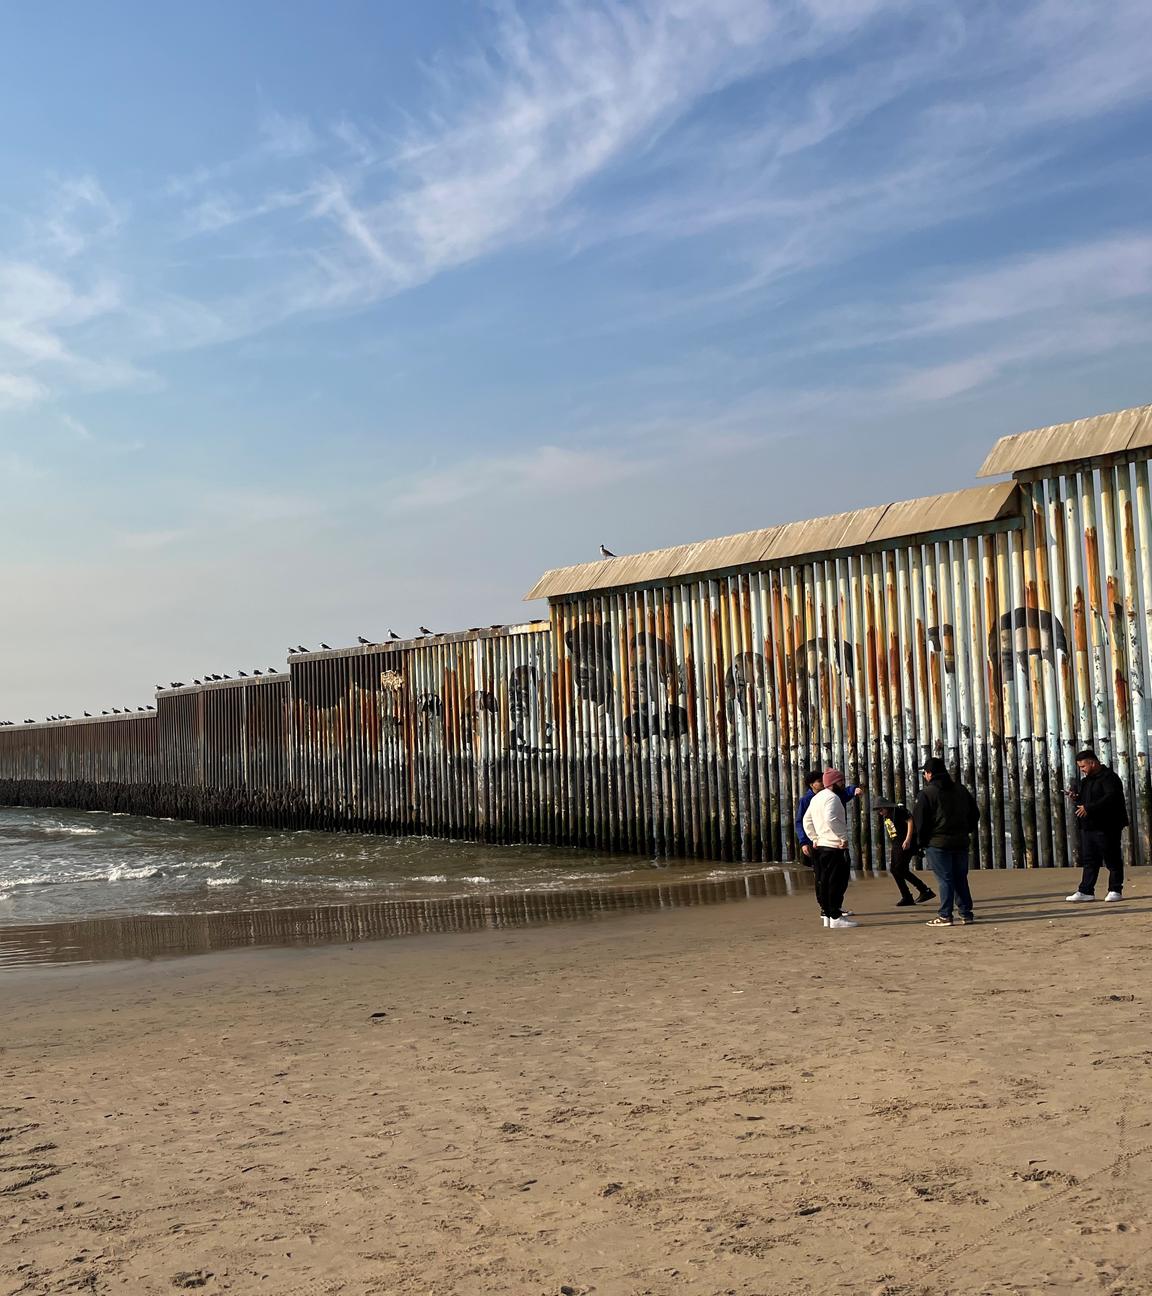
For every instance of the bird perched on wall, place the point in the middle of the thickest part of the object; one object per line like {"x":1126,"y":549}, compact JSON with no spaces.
{"x":361,"y":640}
{"x":256,"y":672}
{"x":151,"y":708}
{"x":139,"y":708}
{"x":29,"y":721}
{"x":103,"y":712}
{"x":273,"y":671}
{"x":242,"y":674}
{"x":606,"y":553}
{"x":88,"y":714}
{"x":326,"y":647}
{"x":393,"y":635}
{"x":424,"y":630}
{"x":227,"y":676}
{"x":159,"y":688}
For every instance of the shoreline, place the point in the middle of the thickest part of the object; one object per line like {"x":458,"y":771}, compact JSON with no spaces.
{"x":723,"y":1098}
{"x":118,"y":937}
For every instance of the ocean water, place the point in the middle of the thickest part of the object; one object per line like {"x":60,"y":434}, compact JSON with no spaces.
{"x":83,"y":887}
{"x":64,"y":865}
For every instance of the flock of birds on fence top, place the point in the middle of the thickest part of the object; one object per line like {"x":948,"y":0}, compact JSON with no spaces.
{"x":271,"y":670}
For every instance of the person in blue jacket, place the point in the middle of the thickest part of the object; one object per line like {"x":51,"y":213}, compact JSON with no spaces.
{"x":815,"y":782}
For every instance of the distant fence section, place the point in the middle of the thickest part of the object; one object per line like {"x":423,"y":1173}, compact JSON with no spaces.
{"x":672,"y":702}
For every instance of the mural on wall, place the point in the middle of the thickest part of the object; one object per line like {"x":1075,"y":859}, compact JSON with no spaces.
{"x":528,"y":728}
{"x":430,"y":721}
{"x":657,"y":690}
{"x":746,"y":703}
{"x":480,"y":716}
{"x":589,"y":646}
{"x":1032,"y":635}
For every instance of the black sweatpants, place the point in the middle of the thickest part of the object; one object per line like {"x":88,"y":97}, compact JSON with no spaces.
{"x":831,"y":868}
{"x":901,"y":870}
{"x":1098,"y":848}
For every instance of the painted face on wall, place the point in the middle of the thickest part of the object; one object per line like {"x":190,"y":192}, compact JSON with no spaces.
{"x":744,"y":685}
{"x":527,"y":728}
{"x":656,"y":688}
{"x":590,"y":646}
{"x":479,"y":711}
{"x":1032,"y":635}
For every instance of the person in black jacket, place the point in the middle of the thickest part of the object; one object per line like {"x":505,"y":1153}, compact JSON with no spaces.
{"x":945,"y":816}
{"x":898,"y":827}
{"x":1102,"y":815}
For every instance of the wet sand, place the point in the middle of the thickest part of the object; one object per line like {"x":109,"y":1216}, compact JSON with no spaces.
{"x":723,"y":1099}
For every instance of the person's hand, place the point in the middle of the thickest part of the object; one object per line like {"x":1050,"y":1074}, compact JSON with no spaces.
{"x":843,"y":845}
{"x":860,"y":791}
{"x":1081,"y":812}
{"x":806,"y":850}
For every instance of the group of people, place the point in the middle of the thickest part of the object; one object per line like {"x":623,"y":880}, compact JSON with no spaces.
{"x":939,"y":827}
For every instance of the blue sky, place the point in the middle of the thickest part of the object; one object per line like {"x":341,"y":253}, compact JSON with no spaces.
{"x":320,"y":320}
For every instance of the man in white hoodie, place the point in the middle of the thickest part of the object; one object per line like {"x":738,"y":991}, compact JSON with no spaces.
{"x":826,"y":825}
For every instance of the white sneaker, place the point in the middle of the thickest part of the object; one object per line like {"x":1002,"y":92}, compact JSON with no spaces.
{"x":842,"y":922}
{"x":1078,"y":897}
{"x":825,"y":919}
{"x":1114,"y":895}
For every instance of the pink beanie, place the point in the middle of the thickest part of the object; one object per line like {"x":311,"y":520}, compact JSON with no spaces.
{"x":832,"y":777}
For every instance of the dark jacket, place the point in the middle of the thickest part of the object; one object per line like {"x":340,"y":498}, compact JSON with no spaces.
{"x":945,"y":815}
{"x":802,"y":809}
{"x":1102,"y":795}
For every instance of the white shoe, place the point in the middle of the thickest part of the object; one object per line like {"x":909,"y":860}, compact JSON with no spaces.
{"x":1078,"y":897}
{"x":1114,"y":895}
{"x":842,"y":922}
{"x":825,"y":919}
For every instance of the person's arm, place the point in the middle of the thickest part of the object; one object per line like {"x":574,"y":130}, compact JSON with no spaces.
{"x":922,"y":818}
{"x":801,"y":813}
{"x":811,"y":829}
{"x":909,"y":834}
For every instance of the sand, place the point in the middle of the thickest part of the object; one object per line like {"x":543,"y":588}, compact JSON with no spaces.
{"x":721,"y":1100}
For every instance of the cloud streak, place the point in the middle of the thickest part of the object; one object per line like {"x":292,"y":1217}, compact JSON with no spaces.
{"x":588,"y":126}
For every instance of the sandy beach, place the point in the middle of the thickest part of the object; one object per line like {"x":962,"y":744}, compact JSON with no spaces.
{"x":707,"y":1101}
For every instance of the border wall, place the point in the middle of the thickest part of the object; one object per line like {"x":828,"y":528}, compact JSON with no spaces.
{"x":673,"y":700}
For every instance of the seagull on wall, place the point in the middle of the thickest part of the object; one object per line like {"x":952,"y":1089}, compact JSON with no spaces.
{"x":424,"y":630}
{"x":361,"y":640}
{"x":606,"y":553}
{"x":393,"y":635}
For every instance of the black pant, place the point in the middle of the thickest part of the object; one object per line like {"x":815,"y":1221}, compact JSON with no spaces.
{"x":831,"y":868}
{"x":1098,"y":847}
{"x":901,"y":870}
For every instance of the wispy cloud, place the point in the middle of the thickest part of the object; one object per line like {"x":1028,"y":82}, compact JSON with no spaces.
{"x":574,"y":126}
{"x":18,"y":390}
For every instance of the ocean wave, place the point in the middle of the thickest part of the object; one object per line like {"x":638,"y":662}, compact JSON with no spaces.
{"x":62,"y":830}
{"x":428,"y":877}
{"x":223,"y":881}
{"x":120,"y":873}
